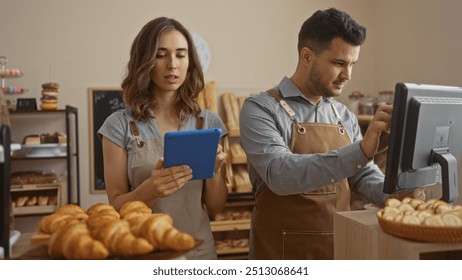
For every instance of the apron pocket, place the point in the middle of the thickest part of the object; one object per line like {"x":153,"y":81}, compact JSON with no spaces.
{"x":305,"y":245}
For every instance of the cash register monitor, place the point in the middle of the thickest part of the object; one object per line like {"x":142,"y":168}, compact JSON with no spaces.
{"x":425,"y":142}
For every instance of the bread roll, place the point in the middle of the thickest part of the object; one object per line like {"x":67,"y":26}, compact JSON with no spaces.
{"x":43,"y":200}
{"x":53,"y":200}
{"x":31,"y":201}
{"x":21,"y":201}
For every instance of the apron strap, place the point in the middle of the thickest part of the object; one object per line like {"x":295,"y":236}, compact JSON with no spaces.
{"x":136,"y":134}
{"x":289,"y":111}
{"x":341,"y":130}
{"x":293,"y":116}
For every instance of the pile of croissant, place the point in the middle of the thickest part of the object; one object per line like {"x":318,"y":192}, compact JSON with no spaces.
{"x":434,"y":212}
{"x":101,"y":231}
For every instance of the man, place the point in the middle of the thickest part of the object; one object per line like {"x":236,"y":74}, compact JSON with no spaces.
{"x":305,"y":150}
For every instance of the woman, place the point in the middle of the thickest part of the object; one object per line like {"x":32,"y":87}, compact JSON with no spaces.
{"x":163,"y":80}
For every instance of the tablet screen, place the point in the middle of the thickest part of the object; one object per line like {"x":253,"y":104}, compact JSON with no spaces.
{"x":195,"y":148}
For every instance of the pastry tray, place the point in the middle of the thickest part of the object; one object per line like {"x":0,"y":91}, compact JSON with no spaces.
{"x":422,"y":233}
{"x":41,"y":150}
{"x":39,"y":251}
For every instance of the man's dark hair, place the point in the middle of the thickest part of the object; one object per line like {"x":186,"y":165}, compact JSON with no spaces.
{"x":318,"y":30}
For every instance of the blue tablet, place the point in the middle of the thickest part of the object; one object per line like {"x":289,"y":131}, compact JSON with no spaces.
{"x":196,"y":148}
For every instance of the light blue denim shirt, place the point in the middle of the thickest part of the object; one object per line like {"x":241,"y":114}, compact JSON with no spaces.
{"x":265,"y":135}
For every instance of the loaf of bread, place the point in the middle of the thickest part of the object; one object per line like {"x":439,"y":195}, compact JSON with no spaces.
{"x":31,"y":139}
{"x":33,"y":177}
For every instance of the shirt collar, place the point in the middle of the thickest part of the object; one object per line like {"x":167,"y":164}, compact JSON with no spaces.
{"x":288,"y":89}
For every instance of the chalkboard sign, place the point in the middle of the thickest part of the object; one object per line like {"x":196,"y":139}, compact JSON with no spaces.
{"x":103,"y":102}
{"x":26,"y":104}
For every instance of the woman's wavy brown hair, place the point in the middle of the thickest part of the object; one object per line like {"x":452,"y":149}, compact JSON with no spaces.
{"x":137,"y":85}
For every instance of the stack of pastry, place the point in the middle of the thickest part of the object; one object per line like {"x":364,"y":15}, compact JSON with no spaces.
{"x":433,"y":212}
{"x":57,"y":137}
{"x":101,"y":232}
{"x":49,"y":98}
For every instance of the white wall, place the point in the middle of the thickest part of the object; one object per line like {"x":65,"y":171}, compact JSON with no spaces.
{"x":418,"y":41}
{"x":253,"y":44}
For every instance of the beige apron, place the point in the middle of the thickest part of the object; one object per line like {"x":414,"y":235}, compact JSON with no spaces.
{"x":185,"y":206}
{"x":300,"y":226}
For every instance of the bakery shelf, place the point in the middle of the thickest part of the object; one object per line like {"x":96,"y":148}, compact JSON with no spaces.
{"x":34,"y":210}
{"x":65,"y":154}
{"x":229,"y":225}
{"x":34,"y":187}
{"x":39,"y":158}
{"x":233,"y":251}
{"x":226,"y":225}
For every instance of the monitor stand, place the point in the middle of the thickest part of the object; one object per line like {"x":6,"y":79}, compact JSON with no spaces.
{"x":448,"y":165}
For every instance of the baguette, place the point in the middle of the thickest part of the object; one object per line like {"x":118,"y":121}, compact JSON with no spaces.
{"x":210,"y":96}
{"x":231,"y":122}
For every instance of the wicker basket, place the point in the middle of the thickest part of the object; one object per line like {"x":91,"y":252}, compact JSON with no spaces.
{"x":422,"y":233}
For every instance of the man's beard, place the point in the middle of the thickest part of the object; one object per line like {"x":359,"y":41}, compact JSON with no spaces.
{"x":318,"y":85}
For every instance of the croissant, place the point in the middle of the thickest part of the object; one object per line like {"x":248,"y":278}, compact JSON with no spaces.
{"x":98,"y":220}
{"x":158,"y":229}
{"x":100,"y":208}
{"x":134,"y":206}
{"x":136,"y":218}
{"x":74,"y":242}
{"x":119,"y":240}
{"x":51,"y":223}
{"x":70,"y":209}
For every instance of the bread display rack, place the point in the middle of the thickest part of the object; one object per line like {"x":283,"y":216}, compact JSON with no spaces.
{"x":231,"y":227}
{"x":66,"y":163}
{"x":237,"y":176}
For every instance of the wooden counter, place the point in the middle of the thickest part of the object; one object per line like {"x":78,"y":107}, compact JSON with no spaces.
{"x":358,"y":236}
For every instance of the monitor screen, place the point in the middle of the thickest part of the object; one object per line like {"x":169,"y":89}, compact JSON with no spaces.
{"x":425,"y":142}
